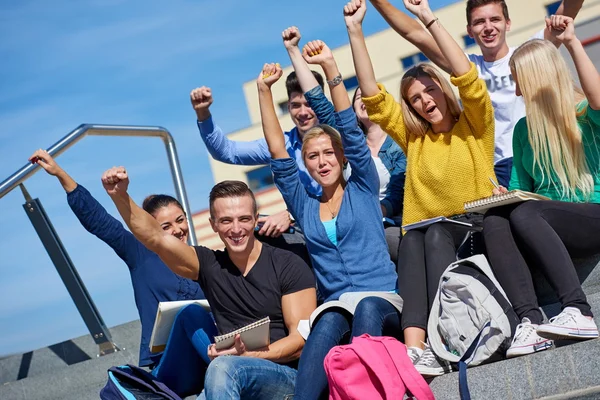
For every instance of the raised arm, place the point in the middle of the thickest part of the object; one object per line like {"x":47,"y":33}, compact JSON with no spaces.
{"x":218,"y":145}
{"x":563,"y":30}
{"x":178,"y":256}
{"x":412,"y":31}
{"x":457,"y":60}
{"x":317,"y":52}
{"x":45,"y":160}
{"x":570,"y":8}
{"x":271,"y":127}
{"x":354,"y":13}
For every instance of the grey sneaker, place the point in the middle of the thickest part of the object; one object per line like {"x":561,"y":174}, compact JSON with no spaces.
{"x":431,"y":365}
{"x":414,"y":353}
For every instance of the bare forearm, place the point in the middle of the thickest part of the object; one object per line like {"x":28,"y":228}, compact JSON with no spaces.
{"x":282,"y":351}
{"x":587,"y":72}
{"x":457,"y":61}
{"x":362,"y":62}
{"x":570,"y":8}
{"x":339,"y":94}
{"x":305,"y":77}
{"x":270,"y":123}
{"x":145,"y":228}
{"x":66,"y":181}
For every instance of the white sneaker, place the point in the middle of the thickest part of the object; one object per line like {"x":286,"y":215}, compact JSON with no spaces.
{"x":414,"y":353}
{"x":430,"y":365}
{"x":569,"y":324}
{"x":527,"y":341}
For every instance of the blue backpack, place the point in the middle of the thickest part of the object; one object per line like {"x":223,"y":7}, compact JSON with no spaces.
{"x":128,"y":382}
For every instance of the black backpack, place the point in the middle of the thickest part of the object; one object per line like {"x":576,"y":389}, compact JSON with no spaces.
{"x":127,"y":382}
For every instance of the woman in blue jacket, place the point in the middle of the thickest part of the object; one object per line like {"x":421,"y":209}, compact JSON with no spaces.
{"x":339,"y":225}
{"x":151,"y":279}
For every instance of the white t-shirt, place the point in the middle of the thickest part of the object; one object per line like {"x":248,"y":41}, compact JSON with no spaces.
{"x":382,"y":171}
{"x":508,"y":108}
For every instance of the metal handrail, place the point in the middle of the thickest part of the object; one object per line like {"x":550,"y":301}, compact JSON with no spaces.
{"x":113,"y":130}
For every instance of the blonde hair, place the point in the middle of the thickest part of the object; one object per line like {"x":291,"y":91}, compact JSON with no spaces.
{"x":320,"y":130}
{"x":415,"y":124}
{"x":550,"y":102}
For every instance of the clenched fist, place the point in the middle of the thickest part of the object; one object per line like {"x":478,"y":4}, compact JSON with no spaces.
{"x":291,"y":37}
{"x":115,"y":181}
{"x":269,"y":75}
{"x":201,"y":99}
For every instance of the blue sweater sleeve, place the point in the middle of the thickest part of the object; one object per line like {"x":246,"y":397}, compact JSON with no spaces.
{"x":394,"y":195}
{"x":96,"y":220}
{"x":287,"y":180}
{"x":364,"y":171}
{"x":321,"y":106}
{"x":255,"y":152}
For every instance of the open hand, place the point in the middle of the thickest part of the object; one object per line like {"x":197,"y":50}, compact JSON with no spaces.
{"x":561,"y":28}
{"x":291,"y":37}
{"x":274,"y":225}
{"x":45,"y":160}
{"x":238,"y":349}
{"x":316,"y":52}
{"x":201,"y":99}
{"x":354,"y":12}
{"x":269,"y":75}
{"x":115,"y":181}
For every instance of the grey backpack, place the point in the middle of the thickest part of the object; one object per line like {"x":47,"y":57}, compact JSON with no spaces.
{"x":471,"y":319}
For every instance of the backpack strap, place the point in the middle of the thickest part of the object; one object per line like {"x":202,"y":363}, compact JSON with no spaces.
{"x":463,"y":385}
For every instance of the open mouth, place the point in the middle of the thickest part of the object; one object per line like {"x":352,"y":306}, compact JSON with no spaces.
{"x":431,"y":109}
{"x":489,"y":38}
{"x":237,"y":240}
{"x":324,"y":172}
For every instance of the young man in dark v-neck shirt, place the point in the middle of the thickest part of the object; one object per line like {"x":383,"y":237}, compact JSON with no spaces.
{"x":244,"y":283}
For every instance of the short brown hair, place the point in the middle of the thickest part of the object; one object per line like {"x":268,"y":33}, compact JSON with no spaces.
{"x":292,"y":85}
{"x":227,"y":189}
{"x":473,"y":4}
{"x":155,"y":202}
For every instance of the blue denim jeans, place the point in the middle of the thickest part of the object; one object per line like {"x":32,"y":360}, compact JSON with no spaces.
{"x":232,"y":377}
{"x":373,"y":315}
{"x":185,"y":359}
{"x":503,"y":168}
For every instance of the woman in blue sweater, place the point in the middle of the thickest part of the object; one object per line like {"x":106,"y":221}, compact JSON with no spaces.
{"x":152,"y":281}
{"x":339,"y":225}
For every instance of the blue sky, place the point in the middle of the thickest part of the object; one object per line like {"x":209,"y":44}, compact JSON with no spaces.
{"x":119,"y":62}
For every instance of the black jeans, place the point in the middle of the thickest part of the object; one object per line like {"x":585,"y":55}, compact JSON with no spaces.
{"x":545,"y":234}
{"x":424,"y":256}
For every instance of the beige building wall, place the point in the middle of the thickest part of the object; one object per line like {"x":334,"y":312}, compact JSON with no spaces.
{"x":387,"y":49}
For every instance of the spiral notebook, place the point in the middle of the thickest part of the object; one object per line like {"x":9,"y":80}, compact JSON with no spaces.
{"x":255,"y":336}
{"x":514,"y":196}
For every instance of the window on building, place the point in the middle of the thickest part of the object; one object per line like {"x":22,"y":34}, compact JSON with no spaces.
{"x":552,"y":7}
{"x":468,"y":41}
{"x":260,"y":178}
{"x":351,"y":83}
{"x":283,"y":109}
{"x":413,"y":59}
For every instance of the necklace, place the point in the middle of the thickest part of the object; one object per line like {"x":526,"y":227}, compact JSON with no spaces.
{"x":332,"y":212}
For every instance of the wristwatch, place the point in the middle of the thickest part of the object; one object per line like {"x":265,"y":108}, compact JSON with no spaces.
{"x":335,"y":81}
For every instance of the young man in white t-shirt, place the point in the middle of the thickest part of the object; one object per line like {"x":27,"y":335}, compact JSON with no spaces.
{"x":487,"y":23}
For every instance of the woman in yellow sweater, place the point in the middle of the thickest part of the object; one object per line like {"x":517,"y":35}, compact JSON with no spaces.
{"x":450,"y":160}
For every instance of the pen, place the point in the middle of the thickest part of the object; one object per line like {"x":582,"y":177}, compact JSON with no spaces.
{"x":494,"y":183}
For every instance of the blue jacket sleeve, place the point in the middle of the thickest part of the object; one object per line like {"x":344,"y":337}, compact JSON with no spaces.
{"x":321,"y":106}
{"x":255,"y":152}
{"x":364,"y":171}
{"x":394,"y":196}
{"x":96,"y":220}
{"x":287,"y":180}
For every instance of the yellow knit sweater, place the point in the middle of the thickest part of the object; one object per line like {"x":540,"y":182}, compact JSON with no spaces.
{"x":444,"y":170}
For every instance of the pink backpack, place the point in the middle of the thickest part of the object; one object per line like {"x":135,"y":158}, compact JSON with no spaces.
{"x":373,"y":368}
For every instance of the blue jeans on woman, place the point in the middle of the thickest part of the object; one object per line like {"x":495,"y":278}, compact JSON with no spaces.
{"x":185,"y":359}
{"x":373,"y":315}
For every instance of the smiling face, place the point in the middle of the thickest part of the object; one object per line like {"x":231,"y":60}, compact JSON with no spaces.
{"x":172,"y":220}
{"x":323,"y":160}
{"x":359,"y":107}
{"x":234,"y":221}
{"x":488,"y":27}
{"x":426,"y":97}
{"x":302,"y":115}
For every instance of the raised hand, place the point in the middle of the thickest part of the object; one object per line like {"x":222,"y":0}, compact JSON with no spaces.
{"x":561,"y":28}
{"x":115,"y":181}
{"x":291,"y":37}
{"x":317,"y":52}
{"x":417,"y":7}
{"x":269,"y":75}
{"x":354,"y":12}
{"x":201,"y":99}
{"x":45,"y":160}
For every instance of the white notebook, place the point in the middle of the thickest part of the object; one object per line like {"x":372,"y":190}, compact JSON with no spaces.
{"x":165,"y":315}
{"x":514,"y":196}
{"x":426,"y":222}
{"x":255,"y":336}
